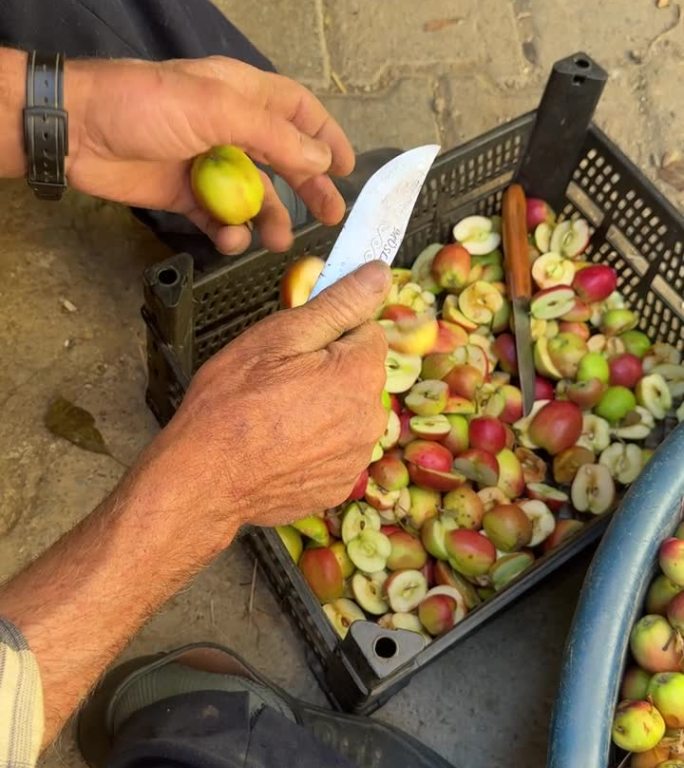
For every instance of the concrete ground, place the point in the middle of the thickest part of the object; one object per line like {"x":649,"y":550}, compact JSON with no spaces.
{"x":393,"y":72}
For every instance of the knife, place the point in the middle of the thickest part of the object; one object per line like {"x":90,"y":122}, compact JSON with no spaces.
{"x":519,"y":281}
{"x":377,"y":223}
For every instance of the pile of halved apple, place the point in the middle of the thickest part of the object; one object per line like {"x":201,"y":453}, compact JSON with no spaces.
{"x":463,"y":493}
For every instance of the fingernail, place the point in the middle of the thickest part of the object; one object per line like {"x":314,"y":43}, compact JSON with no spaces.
{"x":234,"y":251}
{"x":375,"y":276}
{"x":316,"y":152}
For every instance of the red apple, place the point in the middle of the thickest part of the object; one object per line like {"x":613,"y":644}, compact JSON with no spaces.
{"x":487,"y":433}
{"x":564,"y":530}
{"x":333,"y":521}
{"x":464,"y":380}
{"x":445,"y":575}
{"x":434,"y":479}
{"x":479,"y":466}
{"x":405,"y":434}
{"x":322,"y":572}
{"x":586,"y":394}
{"x":451,"y":267}
{"x":543,"y":389}
{"x":428,"y":570}
{"x":510,"y":435}
{"x":359,"y":488}
{"x":578,"y":313}
{"x":469,"y":552}
{"x":428,"y":455}
{"x":504,"y":349}
{"x":449,"y":337}
{"x":464,"y":506}
{"x":538,"y":211}
{"x":388,"y":530}
{"x":595,"y":283}
{"x":513,"y":407}
{"x":576,"y":328}
{"x":558,"y":425}
{"x":671,"y":559}
{"x":625,"y":370}
{"x":407,"y":552}
{"x":397,"y":312}
{"x":508,"y":527}
{"x":436,"y":613}
{"x":390,"y":473}
{"x":457,"y":439}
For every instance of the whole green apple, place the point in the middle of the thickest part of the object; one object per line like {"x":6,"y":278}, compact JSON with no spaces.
{"x":636,"y":342}
{"x":615,"y":404}
{"x":593,"y":366}
{"x":227,"y":184}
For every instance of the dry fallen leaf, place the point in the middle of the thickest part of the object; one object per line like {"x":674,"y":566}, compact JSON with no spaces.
{"x":672,"y":170}
{"x":435,"y":25}
{"x":75,"y":424}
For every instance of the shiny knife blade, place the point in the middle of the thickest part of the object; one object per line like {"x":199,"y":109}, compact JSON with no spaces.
{"x":519,"y":280}
{"x":377,"y":223}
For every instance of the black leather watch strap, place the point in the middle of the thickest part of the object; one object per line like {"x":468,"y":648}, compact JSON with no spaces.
{"x":46,"y":128}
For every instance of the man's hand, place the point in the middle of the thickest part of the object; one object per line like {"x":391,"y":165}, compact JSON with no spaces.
{"x":277,"y":425}
{"x":135,"y":127}
{"x":281,"y":422}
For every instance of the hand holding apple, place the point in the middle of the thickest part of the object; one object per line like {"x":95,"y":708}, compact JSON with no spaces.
{"x":136,"y":145}
{"x":227,"y":185}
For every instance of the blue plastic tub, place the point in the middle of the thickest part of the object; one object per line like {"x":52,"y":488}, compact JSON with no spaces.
{"x":610,"y":602}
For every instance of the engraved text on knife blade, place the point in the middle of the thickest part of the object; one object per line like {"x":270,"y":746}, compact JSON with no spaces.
{"x":383,"y":244}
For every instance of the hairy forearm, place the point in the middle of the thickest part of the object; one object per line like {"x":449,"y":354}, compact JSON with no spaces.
{"x":80,"y":603}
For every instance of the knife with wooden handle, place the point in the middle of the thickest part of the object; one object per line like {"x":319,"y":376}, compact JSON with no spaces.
{"x":519,"y":281}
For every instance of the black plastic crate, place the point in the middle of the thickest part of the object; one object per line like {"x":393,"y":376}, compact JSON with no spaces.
{"x":635,"y":230}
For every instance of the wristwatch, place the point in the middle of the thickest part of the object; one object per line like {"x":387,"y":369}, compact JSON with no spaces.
{"x":46,"y":127}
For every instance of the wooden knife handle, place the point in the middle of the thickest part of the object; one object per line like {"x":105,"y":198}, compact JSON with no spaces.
{"x":515,"y":243}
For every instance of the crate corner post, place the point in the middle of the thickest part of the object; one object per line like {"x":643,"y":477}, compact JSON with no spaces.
{"x":168,"y":315}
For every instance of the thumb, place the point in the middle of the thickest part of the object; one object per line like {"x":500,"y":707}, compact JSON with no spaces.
{"x":343,"y":306}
